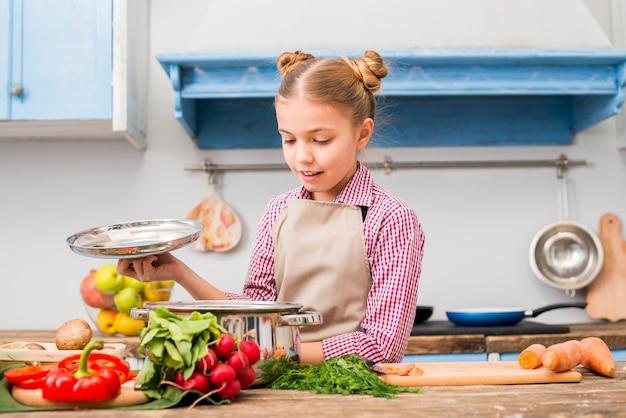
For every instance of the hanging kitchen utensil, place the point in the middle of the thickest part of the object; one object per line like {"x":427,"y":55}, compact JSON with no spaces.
{"x":501,"y":316}
{"x":222,"y":227}
{"x":566,"y":254}
{"x":606,"y":295}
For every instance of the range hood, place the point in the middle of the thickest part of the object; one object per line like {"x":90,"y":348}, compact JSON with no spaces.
{"x":432,"y":97}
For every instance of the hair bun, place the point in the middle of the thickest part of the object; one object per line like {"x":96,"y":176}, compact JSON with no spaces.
{"x":370,"y":69}
{"x":289,"y":61}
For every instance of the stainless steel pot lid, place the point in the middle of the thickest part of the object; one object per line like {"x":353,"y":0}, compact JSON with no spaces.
{"x":135,"y":239}
{"x":228,"y":306}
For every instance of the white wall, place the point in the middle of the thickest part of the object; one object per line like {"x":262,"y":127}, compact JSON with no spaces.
{"x":309,"y":24}
{"x":478,"y":222}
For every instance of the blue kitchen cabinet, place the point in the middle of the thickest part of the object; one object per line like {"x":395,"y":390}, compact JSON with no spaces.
{"x":5,"y":26}
{"x":58,"y":60}
{"x":73,"y":69}
{"x":436,"y":97}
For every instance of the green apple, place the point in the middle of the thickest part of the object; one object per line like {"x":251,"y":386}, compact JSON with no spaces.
{"x":108,"y":281}
{"x":138,"y":285}
{"x":127,"y":299}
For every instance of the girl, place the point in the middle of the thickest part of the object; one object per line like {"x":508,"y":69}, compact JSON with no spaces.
{"x":340,"y":244}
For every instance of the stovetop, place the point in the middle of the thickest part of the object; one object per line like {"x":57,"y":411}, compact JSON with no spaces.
{"x":523,"y":327}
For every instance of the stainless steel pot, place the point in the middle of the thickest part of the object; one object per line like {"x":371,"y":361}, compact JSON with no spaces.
{"x":274,"y":326}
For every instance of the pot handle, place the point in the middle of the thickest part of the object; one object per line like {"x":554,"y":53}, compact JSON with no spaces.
{"x":140,"y":313}
{"x":303,"y":318}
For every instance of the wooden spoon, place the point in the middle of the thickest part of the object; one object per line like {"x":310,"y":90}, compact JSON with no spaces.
{"x":222,"y":227}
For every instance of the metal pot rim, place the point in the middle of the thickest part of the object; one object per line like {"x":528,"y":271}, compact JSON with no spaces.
{"x":228,"y":306}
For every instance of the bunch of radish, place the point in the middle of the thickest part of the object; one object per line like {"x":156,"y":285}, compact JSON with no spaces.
{"x":223,"y":372}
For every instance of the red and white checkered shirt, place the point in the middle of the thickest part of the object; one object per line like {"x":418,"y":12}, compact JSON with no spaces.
{"x":394,"y":242}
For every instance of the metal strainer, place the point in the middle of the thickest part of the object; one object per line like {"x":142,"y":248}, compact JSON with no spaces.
{"x":566,"y":254}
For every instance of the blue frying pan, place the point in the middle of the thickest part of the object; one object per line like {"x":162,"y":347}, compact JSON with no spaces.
{"x":501,"y":316}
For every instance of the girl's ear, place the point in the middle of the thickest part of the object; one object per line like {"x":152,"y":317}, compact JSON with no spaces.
{"x":365,"y":133}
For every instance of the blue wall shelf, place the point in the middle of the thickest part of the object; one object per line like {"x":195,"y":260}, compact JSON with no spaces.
{"x":442,"y":97}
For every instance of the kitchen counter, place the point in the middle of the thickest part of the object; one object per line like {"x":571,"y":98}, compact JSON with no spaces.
{"x":613,"y":333}
{"x":594,"y":396}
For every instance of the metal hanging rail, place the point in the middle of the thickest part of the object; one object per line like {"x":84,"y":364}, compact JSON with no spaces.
{"x":388,"y":165}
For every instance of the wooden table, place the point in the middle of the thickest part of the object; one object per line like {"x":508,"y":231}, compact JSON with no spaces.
{"x":594,"y":396}
{"x":613,"y":333}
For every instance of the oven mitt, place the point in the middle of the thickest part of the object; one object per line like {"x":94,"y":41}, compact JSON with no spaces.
{"x":222,"y":227}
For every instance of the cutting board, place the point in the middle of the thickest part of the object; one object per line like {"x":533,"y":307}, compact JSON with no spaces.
{"x":128,"y":396}
{"x":480,"y":373}
{"x":606,"y":295}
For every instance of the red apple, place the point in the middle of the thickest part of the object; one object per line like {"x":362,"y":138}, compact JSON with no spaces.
{"x":91,"y":295}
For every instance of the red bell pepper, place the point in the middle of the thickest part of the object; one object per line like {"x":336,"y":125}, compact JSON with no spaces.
{"x":98,"y":361}
{"x":29,"y":377}
{"x":82,"y":384}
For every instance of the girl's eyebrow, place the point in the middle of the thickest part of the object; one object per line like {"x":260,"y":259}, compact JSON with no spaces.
{"x":314,"y":130}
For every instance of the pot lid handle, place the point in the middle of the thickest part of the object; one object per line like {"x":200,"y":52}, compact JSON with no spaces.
{"x":303,"y":318}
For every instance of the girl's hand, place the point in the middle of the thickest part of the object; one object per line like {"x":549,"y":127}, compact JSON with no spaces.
{"x":152,"y":268}
{"x":163,"y":267}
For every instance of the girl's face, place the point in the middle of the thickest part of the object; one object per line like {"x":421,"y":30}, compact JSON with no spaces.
{"x":320,"y":144}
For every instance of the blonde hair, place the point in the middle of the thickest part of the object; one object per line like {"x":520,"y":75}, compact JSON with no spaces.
{"x":348,"y":84}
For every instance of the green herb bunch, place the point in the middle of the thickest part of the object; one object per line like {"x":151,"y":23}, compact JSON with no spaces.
{"x":345,"y":375}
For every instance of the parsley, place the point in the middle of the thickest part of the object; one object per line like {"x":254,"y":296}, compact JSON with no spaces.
{"x":345,"y":375}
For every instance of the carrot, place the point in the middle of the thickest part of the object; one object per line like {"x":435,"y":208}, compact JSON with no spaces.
{"x":598,"y":356}
{"x":531,"y":356}
{"x":410,"y":369}
{"x":406,"y":369}
{"x":563,"y":356}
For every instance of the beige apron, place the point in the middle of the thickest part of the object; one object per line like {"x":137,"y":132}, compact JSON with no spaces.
{"x":320,"y":262}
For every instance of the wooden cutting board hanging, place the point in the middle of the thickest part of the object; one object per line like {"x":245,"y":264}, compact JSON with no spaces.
{"x":606,"y":295}
{"x":222,"y":227}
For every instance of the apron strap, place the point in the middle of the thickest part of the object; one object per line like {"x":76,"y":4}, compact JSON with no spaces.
{"x":364,"y":211}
